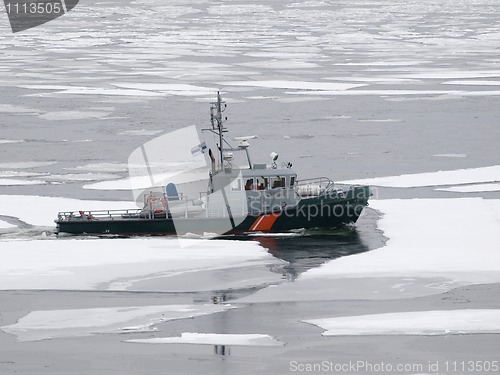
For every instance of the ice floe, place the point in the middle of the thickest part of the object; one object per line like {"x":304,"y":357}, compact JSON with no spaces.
{"x":99,"y":91}
{"x":473,"y":83}
{"x":5,"y":225}
{"x":429,"y":237}
{"x":9,"y":108}
{"x":453,"y":177}
{"x":141,"y":132}
{"x":81,"y":177}
{"x":17,"y":182}
{"x":51,"y":324}
{"x":450,"y":155}
{"x":171,"y":89}
{"x":101,"y":167}
{"x":41,"y":211}
{"x":475,"y":188}
{"x":237,"y":9}
{"x":72,"y":115}
{"x":9,"y":141}
{"x":438,"y":322}
{"x":134,"y":264}
{"x":300,"y":85}
{"x":214,"y":339}
{"x":26,"y":164}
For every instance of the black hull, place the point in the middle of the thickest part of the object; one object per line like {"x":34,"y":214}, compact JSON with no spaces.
{"x":323,"y":212}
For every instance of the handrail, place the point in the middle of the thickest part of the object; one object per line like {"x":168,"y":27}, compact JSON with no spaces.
{"x":97,"y":214}
{"x":323,"y":185}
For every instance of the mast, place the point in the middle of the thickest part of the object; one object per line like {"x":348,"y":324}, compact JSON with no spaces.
{"x":217,"y":123}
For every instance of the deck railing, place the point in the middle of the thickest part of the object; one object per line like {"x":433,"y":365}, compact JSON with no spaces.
{"x":313,"y":187}
{"x":99,"y":214}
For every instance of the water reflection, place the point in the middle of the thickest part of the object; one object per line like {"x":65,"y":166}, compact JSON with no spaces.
{"x":313,"y":249}
{"x":222,"y":350}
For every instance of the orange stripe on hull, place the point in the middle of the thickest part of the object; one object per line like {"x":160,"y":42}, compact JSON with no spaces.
{"x":264,"y":223}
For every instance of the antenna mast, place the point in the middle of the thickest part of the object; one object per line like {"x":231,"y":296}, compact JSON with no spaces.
{"x":216,"y":109}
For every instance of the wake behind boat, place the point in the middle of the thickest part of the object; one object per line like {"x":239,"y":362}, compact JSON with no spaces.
{"x":255,"y":197}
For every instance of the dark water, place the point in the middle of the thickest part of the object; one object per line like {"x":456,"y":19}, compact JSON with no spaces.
{"x":314,"y":247}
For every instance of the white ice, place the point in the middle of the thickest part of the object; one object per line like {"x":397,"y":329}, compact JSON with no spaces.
{"x":81,"y":177}
{"x":454,"y":177}
{"x":41,"y":211}
{"x":141,"y":132}
{"x":9,"y":108}
{"x":26,"y":164}
{"x":429,"y":237}
{"x":5,"y":225}
{"x":72,"y":115}
{"x":392,"y":92}
{"x":17,"y":174}
{"x":475,"y":188}
{"x":439,"y":322}
{"x":16,"y":182}
{"x":50,"y":324}
{"x":214,"y":339}
{"x":300,"y":85}
{"x":8,"y":141}
{"x":99,"y":91}
{"x":171,"y":89}
{"x":101,"y":167}
{"x":119,"y":264}
{"x":473,"y":83}
{"x":450,"y":155}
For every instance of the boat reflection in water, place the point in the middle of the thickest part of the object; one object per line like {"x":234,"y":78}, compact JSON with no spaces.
{"x":313,"y":248}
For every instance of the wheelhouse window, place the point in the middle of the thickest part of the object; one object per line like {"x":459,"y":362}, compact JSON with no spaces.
{"x":262,"y":183}
{"x":249,"y":184}
{"x":292,"y":181}
{"x":277,"y":182}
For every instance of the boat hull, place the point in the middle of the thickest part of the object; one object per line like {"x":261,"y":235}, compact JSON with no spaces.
{"x":321,"y":212}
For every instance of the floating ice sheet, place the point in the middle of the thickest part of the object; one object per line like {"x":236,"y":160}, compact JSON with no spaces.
{"x":214,"y":339}
{"x":17,"y":174}
{"x":42,"y":325}
{"x":426,"y":237}
{"x":9,"y":141}
{"x":475,"y":188}
{"x":26,"y":164}
{"x":440,"y":322}
{"x":17,"y":182}
{"x":121,"y":264}
{"x":5,"y":225}
{"x":141,"y":132}
{"x":101,"y":167}
{"x":450,"y":155}
{"x":301,"y":85}
{"x":41,"y":211}
{"x":172,"y":89}
{"x":72,"y":115}
{"x":454,"y":177}
{"x":473,"y":83}
{"x":81,"y":177}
